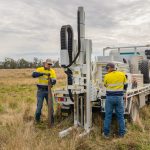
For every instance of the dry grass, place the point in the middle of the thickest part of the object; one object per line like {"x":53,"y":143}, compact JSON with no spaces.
{"x":23,"y":76}
{"x":18,"y":131}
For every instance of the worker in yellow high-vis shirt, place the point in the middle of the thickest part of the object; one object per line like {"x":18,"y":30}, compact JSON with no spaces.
{"x":42,"y":74}
{"x":115,"y":83}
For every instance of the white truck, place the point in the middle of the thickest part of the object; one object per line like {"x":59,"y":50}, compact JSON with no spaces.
{"x":85,"y":90}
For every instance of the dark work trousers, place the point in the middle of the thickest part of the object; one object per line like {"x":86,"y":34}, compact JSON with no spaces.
{"x":41,"y":95}
{"x":117,"y":103}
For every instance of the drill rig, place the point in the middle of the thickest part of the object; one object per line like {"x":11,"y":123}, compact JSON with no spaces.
{"x":85,"y":89}
{"x":75,"y":58}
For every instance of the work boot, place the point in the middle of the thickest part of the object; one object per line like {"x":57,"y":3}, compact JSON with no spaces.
{"x":105,"y":136}
{"x":37,"y":117}
{"x":36,"y":121}
{"x":52,"y":120}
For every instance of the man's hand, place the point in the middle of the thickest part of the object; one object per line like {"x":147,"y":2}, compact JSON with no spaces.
{"x":53,"y":81}
{"x":125,"y":95}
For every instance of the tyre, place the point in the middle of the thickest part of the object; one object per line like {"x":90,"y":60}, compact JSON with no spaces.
{"x":134,"y":113}
{"x":148,"y":100}
{"x":144,"y":68}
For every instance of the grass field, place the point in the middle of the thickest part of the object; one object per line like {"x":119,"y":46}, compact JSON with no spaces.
{"x":18,"y":131}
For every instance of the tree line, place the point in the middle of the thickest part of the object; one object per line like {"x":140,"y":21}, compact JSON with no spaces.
{"x":10,"y":63}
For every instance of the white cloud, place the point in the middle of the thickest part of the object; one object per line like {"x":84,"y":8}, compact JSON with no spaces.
{"x":31,"y":28}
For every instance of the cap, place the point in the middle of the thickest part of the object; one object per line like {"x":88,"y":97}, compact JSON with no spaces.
{"x":49,"y":61}
{"x":110,"y":65}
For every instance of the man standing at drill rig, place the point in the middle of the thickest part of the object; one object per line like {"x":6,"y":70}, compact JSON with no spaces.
{"x":115,"y":83}
{"x":42,"y":74}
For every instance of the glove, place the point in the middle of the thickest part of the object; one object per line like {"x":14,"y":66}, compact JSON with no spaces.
{"x":124,"y":91}
{"x":37,"y":74}
{"x":53,"y":81}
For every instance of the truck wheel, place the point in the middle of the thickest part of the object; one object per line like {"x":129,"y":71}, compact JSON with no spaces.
{"x":148,"y":100}
{"x":144,"y":68}
{"x":134,"y":113}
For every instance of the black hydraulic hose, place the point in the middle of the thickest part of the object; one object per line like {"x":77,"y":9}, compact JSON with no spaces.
{"x":67,"y":44}
{"x":67,"y":40}
{"x":70,"y":95}
{"x":63,"y":40}
{"x":70,"y":82}
{"x":68,"y":28}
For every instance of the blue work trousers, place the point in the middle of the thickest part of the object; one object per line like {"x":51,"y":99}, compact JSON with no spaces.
{"x":117,"y":103}
{"x":41,"y":95}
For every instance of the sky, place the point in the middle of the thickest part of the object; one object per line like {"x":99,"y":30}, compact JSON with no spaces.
{"x":31,"y":28}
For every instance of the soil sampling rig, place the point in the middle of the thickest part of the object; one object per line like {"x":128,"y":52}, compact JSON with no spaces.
{"x":85,"y":91}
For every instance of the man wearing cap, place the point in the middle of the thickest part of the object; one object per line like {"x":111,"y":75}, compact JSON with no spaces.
{"x":42,"y":74}
{"x":115,"y":83}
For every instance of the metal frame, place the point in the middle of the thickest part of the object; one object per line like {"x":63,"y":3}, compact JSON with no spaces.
{"x":136,"y":92}
{"x":125,"y":47}
{"x":144,"y":91}
{"x":82,"y":82}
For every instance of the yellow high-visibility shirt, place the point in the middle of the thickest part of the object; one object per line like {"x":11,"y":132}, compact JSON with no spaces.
{"x":114,"y":81}
{"x":43,"y":80}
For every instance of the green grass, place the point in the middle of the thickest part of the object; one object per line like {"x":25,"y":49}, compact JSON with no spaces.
{"x":2,"y":109}
{"x":18,"y":130}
